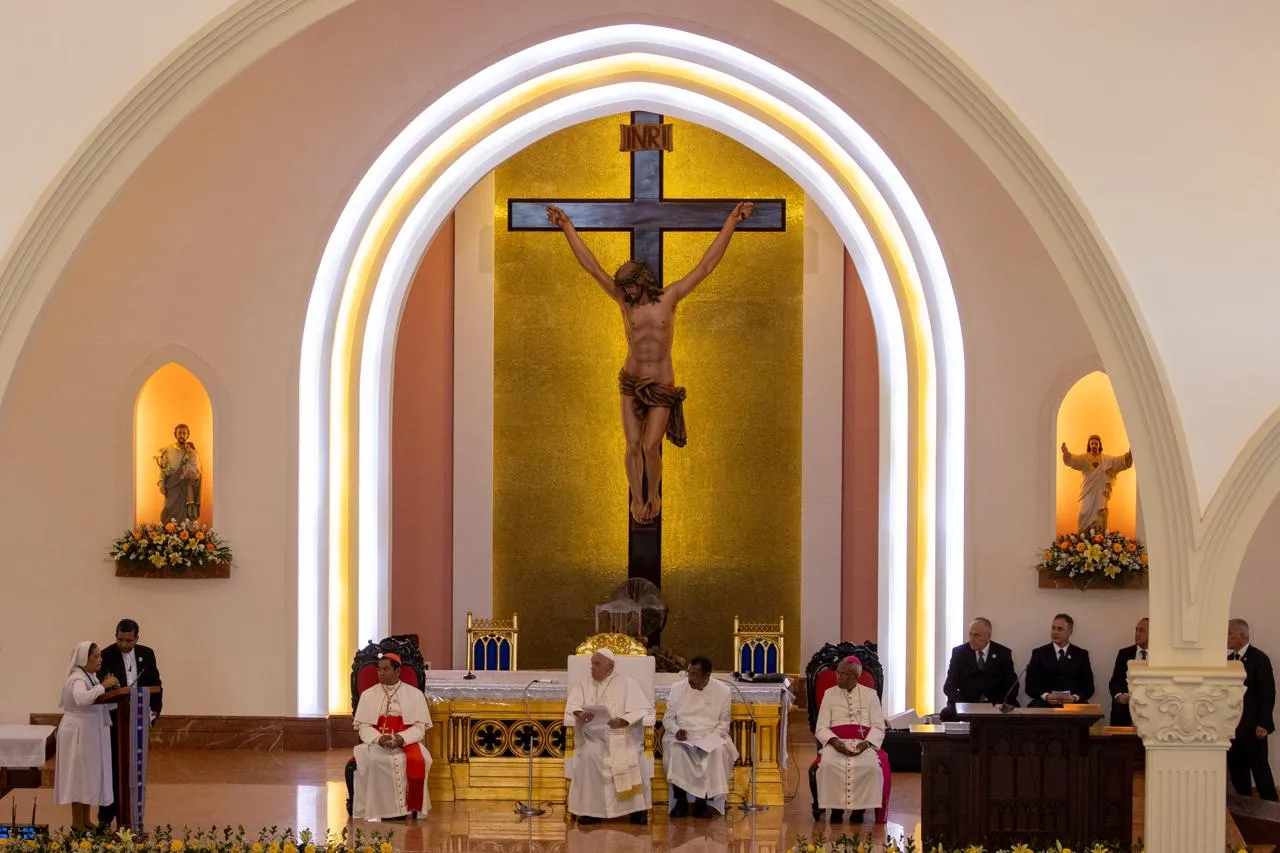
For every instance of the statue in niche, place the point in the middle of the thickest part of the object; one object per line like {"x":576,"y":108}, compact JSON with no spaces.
{"x":1099,"y":473}
{"x":652,"y":404}
{"x":180,"y":477}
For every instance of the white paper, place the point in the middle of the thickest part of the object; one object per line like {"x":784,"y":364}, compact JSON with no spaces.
{"x":598,"y":726}
{"x":706,"y":743}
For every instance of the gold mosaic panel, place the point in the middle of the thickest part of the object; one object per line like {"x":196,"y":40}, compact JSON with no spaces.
{"x":731,"y":520}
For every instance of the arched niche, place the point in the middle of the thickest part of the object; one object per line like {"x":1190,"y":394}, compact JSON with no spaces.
{"x":1088,"y":408}
{"x":170,"y":396}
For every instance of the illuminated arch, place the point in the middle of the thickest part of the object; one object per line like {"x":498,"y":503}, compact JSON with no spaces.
{"x":366,"y":268}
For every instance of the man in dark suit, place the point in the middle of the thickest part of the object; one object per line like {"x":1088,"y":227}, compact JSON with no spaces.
{"x":1247,"y":756}
{"x":1119,"y":684}
{"x":131,"y":664}
{"x":1059,"y":673}
{"x":980,"y":671}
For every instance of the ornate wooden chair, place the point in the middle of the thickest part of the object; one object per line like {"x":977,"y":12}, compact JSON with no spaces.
{"x":491,"y":643}
{"x":758,"y":646}
{"x":364,"y":674}
{"x":619,"y":644}
{"x":819,"y":675}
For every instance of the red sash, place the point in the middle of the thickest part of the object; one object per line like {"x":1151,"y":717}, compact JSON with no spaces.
{"x":850,"y":731}
{"x":415,"y":764}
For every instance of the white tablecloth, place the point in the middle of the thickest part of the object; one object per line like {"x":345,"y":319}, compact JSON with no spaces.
{"x":23,"y":746}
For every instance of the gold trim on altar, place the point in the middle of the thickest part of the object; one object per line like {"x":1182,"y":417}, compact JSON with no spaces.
{"x":619,"y":644}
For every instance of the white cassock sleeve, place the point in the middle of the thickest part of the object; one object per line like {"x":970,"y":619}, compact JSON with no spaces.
{"x":822,"y":726}
{"x":876,"y":736}
{"x":671,"y":716}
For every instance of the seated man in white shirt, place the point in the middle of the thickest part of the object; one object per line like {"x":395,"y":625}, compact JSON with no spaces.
{"x":391,"y":760}
{"x":697,"y":751}
{"x":850,"y":727}
{"x":610,"y":776}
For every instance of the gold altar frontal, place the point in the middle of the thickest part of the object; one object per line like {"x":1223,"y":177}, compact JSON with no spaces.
{"x":483,"y":730}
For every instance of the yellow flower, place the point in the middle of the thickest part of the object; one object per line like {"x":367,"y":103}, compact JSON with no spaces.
{"x":973,"y":848}
{"x":1021,"y":848}
{"x":385,"y":847}
{"x":176,"y":845}
{"x":274,"y":848}
{"x":256,"y":848}
{"x":368,"y":848}
{"x":1143,"y":559}
{"x":310,"y":848}
{"x":289,"y":848}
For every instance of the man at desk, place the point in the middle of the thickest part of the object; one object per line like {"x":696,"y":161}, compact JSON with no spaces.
{"x":1059,"y":673}
{"x":1119,"y":684}
{"x":980,"y":671}
{"x":610,"y":776}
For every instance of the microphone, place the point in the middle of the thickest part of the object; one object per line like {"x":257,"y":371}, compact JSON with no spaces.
{"x":1005,"y":707}
{"x":752,"y":805}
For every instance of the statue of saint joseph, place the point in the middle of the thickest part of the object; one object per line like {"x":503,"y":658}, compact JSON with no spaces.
{"x":652,"y":404}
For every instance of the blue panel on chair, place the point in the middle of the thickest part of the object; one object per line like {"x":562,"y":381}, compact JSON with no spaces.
{"x":744,"y":659}
{"x":758,"y":662}
{"x":477,"y":655}
{"x":772,"y":665}
{"x":504,"y":655}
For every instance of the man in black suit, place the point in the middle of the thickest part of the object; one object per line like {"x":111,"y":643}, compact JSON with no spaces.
{"x":980,"y":671}
{"x":131,"y":664}
{"x":1119,"y":684}
{"x":1247,"y":756}
{"x":1059,"y":673}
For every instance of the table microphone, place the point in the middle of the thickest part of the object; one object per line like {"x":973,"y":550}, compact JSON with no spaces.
{"x":1005,"y":707}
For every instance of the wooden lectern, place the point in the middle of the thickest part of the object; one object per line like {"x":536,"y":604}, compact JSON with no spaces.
{"x":1026,"y":775}
{"x":133,"y":734}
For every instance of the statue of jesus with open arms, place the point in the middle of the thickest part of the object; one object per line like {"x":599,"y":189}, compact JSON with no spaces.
{"x":652,"y":404}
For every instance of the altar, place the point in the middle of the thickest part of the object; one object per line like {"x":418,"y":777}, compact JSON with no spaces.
{"x":484,"y":730}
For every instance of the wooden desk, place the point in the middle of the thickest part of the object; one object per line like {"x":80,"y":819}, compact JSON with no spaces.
{"x":1033,"y":776}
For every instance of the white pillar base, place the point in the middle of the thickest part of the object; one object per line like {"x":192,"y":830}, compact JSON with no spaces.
{"x":1186,"y":716}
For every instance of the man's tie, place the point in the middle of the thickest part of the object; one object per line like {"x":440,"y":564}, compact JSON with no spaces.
{"x":1233,"y":656}
{"x":982,"y":659}
{"x":1062,"y":654}
{"x":1142,"y":654}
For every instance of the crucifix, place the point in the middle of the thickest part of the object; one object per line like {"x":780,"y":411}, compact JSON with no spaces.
{"x":647,"y":381}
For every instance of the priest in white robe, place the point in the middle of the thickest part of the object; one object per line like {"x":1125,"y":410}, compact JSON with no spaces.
{"x":392,"y":761}
{"x":852,"y":774}
{"x":609,"y":776}
{"x":697,"y":750}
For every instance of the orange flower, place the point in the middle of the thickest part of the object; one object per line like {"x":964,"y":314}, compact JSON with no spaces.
{"x":1132,"y":549}
{"x":1080,"y":546}
{"x":1116,"y":547}
{"x":1143,"y":559}
{"x":210,"y":548}
{"x":1064,"y":545}
{"x":183,"y":536}
{"x":170,"y":527}
{"x":1097,"y":537}
{"x":199,"y":535}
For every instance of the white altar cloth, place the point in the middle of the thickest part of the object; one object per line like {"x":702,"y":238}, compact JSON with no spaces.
{"x":553,"y":685}
{"x":23,"y":746}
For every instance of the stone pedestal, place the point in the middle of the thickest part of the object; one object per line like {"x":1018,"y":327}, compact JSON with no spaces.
{"x":1186,"y":717}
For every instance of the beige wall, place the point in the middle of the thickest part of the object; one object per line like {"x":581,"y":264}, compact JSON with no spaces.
{"x":213,"y":246}
{"x":1167,"y":134}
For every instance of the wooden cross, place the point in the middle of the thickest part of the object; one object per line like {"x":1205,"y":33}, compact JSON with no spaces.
{"x":646,"y":216}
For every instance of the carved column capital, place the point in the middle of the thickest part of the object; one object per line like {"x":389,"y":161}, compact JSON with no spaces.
{"x":1196,"y":707}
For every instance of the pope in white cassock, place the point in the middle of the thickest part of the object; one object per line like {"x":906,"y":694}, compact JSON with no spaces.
{"x":697,"y":751}
{"x":391,"y":760}
{"x":609,"y":776}
{"x":850,"y":727}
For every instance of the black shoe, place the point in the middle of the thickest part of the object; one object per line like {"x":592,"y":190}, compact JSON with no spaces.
{"x":856,"y":816}
{"x":587,"y":820}
{"x":837,"y":816}
{"x":640,"y":818}
{"x":397,"y":817}
{"x":700,"y":809}
{"x":681,"y":809}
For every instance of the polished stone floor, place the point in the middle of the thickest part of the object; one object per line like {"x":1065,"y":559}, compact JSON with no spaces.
{"x":201,"y":788}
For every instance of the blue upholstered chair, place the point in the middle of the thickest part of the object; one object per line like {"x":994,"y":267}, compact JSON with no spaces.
{"x":492,"y":643}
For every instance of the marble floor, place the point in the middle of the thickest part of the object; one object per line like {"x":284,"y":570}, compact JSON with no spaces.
{"x":201,"y":788}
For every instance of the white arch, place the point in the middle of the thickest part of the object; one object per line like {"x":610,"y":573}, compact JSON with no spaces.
{"x":318,"y":338}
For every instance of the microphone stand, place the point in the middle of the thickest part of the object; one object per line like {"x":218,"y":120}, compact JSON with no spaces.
{"x":1004,"y":706}
{"x":528,"y":808}
{"x":750,"y":806}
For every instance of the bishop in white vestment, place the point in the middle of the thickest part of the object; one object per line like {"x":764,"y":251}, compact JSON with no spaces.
{"x":392,"y":762}
{"x":850,"y":727}
{"x":608,"y":776}
{"x":697,"y":751}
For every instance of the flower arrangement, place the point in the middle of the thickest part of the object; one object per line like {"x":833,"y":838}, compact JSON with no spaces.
{"x":868,"y":844}
{"x":1095,"y":556}
{"x":213,"y":840}
{"x":175,"y":545}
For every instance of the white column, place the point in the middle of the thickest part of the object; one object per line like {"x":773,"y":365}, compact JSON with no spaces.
{"x":1186,"y":716}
